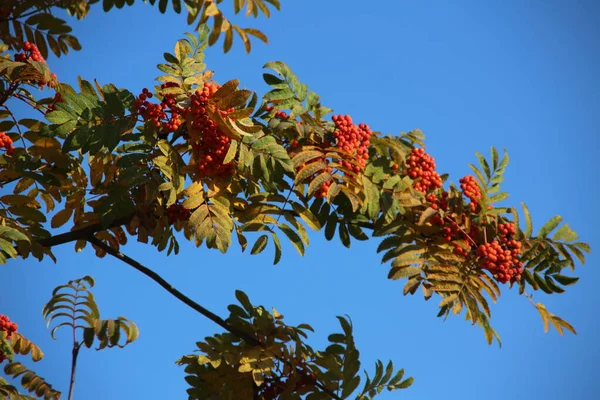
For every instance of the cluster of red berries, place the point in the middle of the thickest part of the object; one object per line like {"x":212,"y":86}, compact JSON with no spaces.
{"x":501,"y":258}
{"x":9,"y":328}
{"x":471,"y":190}
{"x":279,"y":114}
{"x":169,"y":101}
{"x":422,"y":165}
{"x":150,"y":112}
{"x":6,"y":142}
{"x":156,"y":114}
{"x":441,"y":203}
{"x":32,"y":53}
{"x":353,"y":139}
{"x":321,"y":193}
{"x":177,"y":212}
{"x":212,"y":145}
{"x":52,"y":107}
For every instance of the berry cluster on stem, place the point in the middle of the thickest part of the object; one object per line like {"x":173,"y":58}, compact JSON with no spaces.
{"x":6,"y":143}
{"x":353,"y":139}
{"x":9,"y":327}
{"x":32,"y":53}
{"x":501,"y":257}
{"x":211,"y":144}
{"x":421,"y":166}
{"x":278,"y":114}
{"x":471,"y":190}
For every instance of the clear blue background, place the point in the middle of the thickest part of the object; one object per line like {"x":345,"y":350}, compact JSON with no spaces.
{"x":520,"y":75}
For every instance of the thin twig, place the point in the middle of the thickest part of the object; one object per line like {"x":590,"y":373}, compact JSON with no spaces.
{"x":171,"y":289}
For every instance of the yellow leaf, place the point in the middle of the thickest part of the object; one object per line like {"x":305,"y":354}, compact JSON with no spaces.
{"x":545,"y":316}
{"x":80,"y":245}
{"x":258,"y":377}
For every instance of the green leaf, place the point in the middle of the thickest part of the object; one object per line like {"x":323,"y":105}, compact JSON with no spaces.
{"x":406,"y":383}
{"x":59,"y":117}
{"x":498,"y":197}
{"x":564,"y":233}
{"x":244,"y":301}
{"x":494,"y":158}
{"x":549,"y":226}
{"x":403,"y":272}
{"x":307,"y":216}
{"x":484,"y":165}
{"x":528,"y":224}
{"x":277,"y":248}
{"x":259,"y":245}
{"x":565,"y":280}
{"x":293,"y":237}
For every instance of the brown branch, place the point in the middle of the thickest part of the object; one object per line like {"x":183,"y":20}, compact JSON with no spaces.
{"x":187,"y":301}
{"x":169,"y":288}
{"x":45,"y":9}
{"x":83,"y":233}
{"x":6,"y":94}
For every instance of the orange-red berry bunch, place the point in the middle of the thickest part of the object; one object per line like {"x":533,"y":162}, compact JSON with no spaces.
{"x":471,"y":190}
{"x":32,"y":53}
{"x":6,"y":142}
{"x":499,"y":261}
{"x":279,"y":114}
{"x":501,"y":257}
{"x":212,"y":146}
{"x":174,"y":121}
{"x":438,"y":203}
{"x":354,"y":139}
{"x":177,"y":212}
{"x":150,"y":112}
{"x":422,"y":165}
{"x":321,"y":193}
{"x":9,"y":328}
{"x":157,"y":114}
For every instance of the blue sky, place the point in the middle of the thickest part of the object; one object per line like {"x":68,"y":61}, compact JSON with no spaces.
{"x":512,"y":74}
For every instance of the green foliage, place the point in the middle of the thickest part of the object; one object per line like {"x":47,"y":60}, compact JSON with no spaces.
{"x":109,"y":165}
{"x":18,"y":24}
{"x":73,"y":305}
{"x":33,"y":21}
{"x":271,"y":360}
{"x":29,"y":380}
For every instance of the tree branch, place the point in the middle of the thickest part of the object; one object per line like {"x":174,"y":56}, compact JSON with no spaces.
{"x":186,"y":300}
{"x":83,"y":233}
{"x":169,"y":288}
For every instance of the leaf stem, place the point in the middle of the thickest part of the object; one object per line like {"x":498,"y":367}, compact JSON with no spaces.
{"x":75,"y":353}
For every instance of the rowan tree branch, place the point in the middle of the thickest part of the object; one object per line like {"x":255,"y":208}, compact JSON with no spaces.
{"x":170,"y":288}
{"x":186,"y":300}
{"x":83,"y":233}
